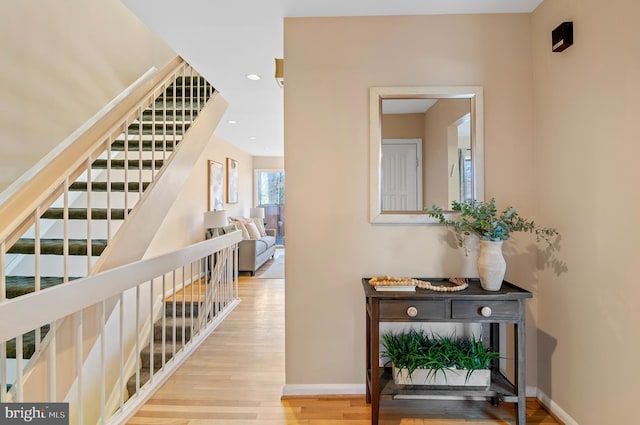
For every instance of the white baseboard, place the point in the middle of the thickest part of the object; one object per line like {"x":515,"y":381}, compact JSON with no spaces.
{"x":322,"y":389}
{"x":555,"y":409}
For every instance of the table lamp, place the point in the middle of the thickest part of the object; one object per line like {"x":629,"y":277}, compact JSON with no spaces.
{"x":215,"y":220}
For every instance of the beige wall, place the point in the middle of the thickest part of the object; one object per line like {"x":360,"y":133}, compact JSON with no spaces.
{"x":184,"y":222}
{"x":435,"y":152}
{"x":403,"y":126}
{"x":268,"y":162}
{"x":331,"y":63}
{"x":587,"y":152}
{"x":61,"y":64}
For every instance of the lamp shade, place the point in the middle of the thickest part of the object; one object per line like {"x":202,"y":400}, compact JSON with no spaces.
{"x":256,"y":212}
{"x":215,"y":219}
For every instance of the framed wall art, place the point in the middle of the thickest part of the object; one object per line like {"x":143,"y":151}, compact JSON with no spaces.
{"x":216,"y":186}
{"x":232,"y":181}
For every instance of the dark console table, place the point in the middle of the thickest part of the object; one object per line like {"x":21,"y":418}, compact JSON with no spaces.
{"x":474,"y":304}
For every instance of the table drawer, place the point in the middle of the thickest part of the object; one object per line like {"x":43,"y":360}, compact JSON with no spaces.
{"x":411,"y":310}
{"x":488,"y":310}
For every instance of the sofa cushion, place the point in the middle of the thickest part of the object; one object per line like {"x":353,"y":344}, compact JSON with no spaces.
{"x":253,"y":231}
{"x":261,"y":246}
{"x":259,"y":225}
{"x":268,"y":240}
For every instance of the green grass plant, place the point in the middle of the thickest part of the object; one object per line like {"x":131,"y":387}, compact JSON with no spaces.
{"x":416,"y":349}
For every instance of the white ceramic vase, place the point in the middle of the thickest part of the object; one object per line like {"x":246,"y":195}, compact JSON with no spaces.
{"x":491,"y":265}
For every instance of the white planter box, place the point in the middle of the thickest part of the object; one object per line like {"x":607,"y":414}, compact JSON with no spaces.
{"x":450,"y":377}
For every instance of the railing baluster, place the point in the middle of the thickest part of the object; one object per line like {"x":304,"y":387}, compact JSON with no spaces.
{"x":65,"y":231}
{"x":103,"y":367}
{"x":140,"y":142}
{"x":137,"y":337}
{"x":153,"y":137}
{"x":184,"y":291}
{"x":89,"y":245}
{"x":19,"y":369}
{"x":36,"y":277}
{"x":184,"y":106}
{"x":193,"y":283}
{"x":121,"y":337}
{"x":52,"y":360}
{"x":3,"y":265}
{"x":175,"y":110}
{"x":173,"y":324}
{"x":191,"y":101}
{"x":79,"y":363}
{"x":126,"y":174}
{"x":151,"y":330}
{"x":108,"y":195}
{"x":164,"y":121}
{"x":164,"y":319}
{"x":3,"y":372}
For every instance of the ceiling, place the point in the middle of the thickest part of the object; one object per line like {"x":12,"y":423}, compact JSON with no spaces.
{"x":225,"y":40}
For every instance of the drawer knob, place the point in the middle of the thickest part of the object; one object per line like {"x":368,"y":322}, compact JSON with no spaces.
{"x":412,"y":312}
{"x":486,"y":311}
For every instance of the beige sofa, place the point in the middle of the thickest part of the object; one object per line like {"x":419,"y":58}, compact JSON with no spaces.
{"x":254,"y":250}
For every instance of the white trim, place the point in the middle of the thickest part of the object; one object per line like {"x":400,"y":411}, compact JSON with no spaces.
{"x":28,"y":175}
{"x":555,"y":409}
{"x":322,"y":389}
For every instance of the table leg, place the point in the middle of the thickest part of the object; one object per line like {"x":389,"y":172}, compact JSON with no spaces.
{"x":374,"y":358}
{"x":521,"y":370}
{"x":368,"y":349}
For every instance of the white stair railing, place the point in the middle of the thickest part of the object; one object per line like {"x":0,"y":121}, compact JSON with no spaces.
{"x":133,"y":125}
{"x":201,"y":282}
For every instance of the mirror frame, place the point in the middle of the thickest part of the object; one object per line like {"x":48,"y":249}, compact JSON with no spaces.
{"x":376,"y":96}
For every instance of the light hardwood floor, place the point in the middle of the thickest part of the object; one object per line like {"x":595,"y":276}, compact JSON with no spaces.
{"x":236,"y":378}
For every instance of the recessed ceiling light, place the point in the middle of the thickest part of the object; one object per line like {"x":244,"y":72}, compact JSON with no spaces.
{"x":232,"y":122}
{"x":253,"y":138}
{"x":253,"y":77}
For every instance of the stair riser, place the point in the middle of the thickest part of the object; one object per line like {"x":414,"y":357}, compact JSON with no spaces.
{"x":50,"y":265}
{"x":131,"y":164}
{"x":134,"y":146}
{"x":77,"y":229}
{"x":99,"y":200}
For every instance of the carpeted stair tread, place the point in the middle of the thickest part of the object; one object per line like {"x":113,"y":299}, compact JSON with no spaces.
{"x":168,"y":116}
{"x":22,"y":285}
{"x":188,"y":309}
{"x":167,"y":128}
{"x":145,"y":358}
{"x":102,"y":186}
{"x":132,"y":164}
{"x":55,"y":246}
{"x":81,"y":214}
{"x":168,"y":329}
{"x":147,"y":145}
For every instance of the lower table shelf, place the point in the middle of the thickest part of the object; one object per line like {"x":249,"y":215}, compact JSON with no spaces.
{"x":500,"y":387}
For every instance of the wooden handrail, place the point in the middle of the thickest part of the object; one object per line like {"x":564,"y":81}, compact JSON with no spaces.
{"x":40,"y":191}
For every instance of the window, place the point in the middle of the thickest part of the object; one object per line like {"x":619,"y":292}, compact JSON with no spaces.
{"x":270,"y":196}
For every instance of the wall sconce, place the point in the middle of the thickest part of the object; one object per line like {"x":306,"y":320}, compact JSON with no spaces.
{"x":562,"y":36}
{"x":214,"y":221}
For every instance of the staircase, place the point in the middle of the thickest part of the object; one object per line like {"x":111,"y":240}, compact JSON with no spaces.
{"x":170,"y":333}
{"x":65,"y":242}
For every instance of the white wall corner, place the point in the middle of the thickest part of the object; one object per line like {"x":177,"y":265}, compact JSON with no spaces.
{"x":555,"y":409}
{"x":322,"y":389}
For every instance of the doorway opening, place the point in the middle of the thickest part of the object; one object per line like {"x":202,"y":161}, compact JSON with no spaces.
{"x":269,"y":186}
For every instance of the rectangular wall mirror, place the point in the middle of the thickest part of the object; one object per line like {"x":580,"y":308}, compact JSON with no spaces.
{"x":426,"y":149}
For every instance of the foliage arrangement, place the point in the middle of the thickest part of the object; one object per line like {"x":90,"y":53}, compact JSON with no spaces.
{"x":482,"y":219}
{"x":416,"y":349}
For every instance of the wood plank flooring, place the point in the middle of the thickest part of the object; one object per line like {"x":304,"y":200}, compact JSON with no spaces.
{"x":236,"y":378}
